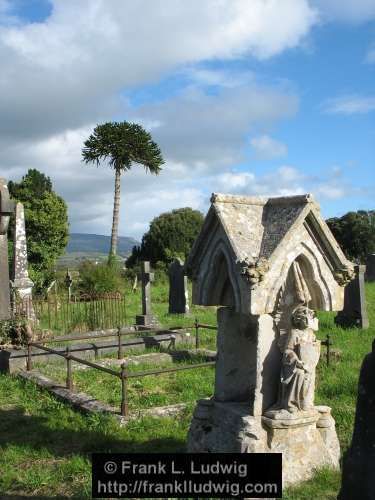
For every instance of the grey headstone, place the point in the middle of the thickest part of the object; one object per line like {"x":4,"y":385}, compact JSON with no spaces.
{"x":21,"y":283}
{"x":370,"y":267}
{"x":354,"y":312}
{"x":359,"y":461}
{"x":178,"y":290}
{"x":146,"y":318}
{"x":6,"y":209}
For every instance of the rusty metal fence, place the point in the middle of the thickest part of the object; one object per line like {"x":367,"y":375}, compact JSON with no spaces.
{"x":80,"y":314}
{"x":123,"y":374}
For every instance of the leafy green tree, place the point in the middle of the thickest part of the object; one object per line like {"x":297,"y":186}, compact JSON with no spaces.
{"x":46,"y":219}
{"x":121,"y":145}
{"x":171,"y":235}
{"x":355,"y":232}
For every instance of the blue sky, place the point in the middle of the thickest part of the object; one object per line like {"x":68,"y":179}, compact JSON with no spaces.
{"x":260,"y":97}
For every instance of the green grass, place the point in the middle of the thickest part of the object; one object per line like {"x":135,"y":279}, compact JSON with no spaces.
{"x":45,"y":446}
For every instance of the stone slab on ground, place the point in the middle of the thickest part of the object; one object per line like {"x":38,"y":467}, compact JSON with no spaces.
{"x":83,"y":402}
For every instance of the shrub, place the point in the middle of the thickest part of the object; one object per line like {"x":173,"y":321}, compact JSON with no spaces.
{"x":99,"y":278}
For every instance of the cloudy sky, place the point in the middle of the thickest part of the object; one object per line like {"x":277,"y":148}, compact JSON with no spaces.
{"x":267,"y":97}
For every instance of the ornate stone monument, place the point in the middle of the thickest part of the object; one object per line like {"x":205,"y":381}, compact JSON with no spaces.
{"x":21,"y":283}
{"x":178,"y":288}
{"x":355,"y":311}
{"x":269,"y":263}
{"x":146,"y":319}
{"x":6,"y":210}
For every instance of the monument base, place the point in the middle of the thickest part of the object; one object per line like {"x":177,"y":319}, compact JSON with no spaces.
{"x":307,"y":442}
{"x":147,"y":320}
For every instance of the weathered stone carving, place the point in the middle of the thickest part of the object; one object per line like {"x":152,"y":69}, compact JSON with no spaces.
{"x":344,"y":276}
{"x":253,"y":272}
{"x":300,"y":357}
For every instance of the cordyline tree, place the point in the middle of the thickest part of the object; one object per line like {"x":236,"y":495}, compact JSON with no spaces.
{"x":121,"y":145}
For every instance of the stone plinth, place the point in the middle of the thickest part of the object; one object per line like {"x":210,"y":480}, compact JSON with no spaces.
{"x":306,"y":442}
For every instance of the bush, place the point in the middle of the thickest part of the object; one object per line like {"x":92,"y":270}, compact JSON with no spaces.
{"x":99,"y":278}
{"x":13,"y":331}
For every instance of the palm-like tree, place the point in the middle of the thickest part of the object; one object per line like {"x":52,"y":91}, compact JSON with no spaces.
{"x":121,"y":145}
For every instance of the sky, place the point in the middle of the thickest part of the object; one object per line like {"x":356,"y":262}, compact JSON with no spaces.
{"x":250,"y":97}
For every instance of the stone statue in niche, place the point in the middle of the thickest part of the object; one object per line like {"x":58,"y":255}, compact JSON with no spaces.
{"x":300,"y":350}
{"x":300,"y":357}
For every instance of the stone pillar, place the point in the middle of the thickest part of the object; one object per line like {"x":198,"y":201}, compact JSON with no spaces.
{"x":354,"y":312}
{"x":178,"y":288}
{"x":6,"y":209}
{"x":21,"y":283}
{"x":359,"y":461}
{"x":146,"y":319}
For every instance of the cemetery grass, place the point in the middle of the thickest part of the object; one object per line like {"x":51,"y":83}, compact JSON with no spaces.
{"x":45,"y":446}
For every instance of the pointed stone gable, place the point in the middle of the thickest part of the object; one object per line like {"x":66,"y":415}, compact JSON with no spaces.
{"x":248,"y":244}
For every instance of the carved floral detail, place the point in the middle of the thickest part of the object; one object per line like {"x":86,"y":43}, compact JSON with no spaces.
{"x":344,"y":276}
{"x":253,"y":272}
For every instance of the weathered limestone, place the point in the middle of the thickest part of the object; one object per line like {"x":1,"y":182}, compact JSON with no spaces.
{"x":269,"y":263}
{"x":146,"y":319}
{"x":355,"y":311}
{"x":359,"y":461}
{"x":6,"y":209}
{"x":21,"y":283}
{"x":178,"y":288}
{"x":370,"y":267}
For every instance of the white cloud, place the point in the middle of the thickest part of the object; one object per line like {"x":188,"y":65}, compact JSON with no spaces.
{"x":349,"y":105}
{"x":349,"y":11}
{"x":267,"y":148}
{"x":68,"y":71}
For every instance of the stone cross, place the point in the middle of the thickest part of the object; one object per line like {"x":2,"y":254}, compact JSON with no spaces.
{"x":146,"y":318}
{"x":178,"y":291}
{"x":6,"y":210}
{"x":354,"y":312}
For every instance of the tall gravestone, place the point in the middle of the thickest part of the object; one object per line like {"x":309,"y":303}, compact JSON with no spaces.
{"x":370,"y":267}
{"x":359,"y":461}
{"x":269,"y":264}
{"x":146,"y":319}
{"x":178,"y":288}
{"x":355,"y":310}
{"x":6,"y":210}
{"x":21,"y":284}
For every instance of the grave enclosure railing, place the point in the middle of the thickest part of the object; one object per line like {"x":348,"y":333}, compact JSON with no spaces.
{"x":78,"y":313}
{"x":123,"y":374}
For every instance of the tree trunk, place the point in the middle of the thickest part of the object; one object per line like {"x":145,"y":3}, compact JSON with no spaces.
{"x":116,"y":211}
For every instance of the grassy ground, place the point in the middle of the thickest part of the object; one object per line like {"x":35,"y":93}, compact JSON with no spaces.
{"x":46,"y":446}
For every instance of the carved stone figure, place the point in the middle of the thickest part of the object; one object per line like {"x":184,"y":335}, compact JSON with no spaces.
{"x":300,"y":357}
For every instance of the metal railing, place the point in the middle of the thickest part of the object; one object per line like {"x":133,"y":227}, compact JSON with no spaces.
{"x":76,"y":314}
{"x":123,"y":374}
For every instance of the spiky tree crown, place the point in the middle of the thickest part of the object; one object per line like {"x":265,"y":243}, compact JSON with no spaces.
{"x":121,"y":144}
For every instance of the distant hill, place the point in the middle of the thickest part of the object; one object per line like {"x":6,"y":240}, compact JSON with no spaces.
{"x":98,"y":243}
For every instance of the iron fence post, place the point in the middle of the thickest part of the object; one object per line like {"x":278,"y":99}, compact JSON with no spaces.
{"x":29,"y":365}
{"x":328,"y":348}
{"x":196,"y":333}
{"x":124,"y":390}
{"x":119,"y":354}
{"x":69,"y":380}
